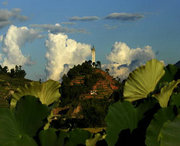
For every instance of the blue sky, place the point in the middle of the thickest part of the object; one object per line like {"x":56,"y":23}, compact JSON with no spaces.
{"x":101,"y":23}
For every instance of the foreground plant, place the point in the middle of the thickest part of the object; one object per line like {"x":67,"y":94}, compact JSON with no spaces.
{"x":47,"y":92}
{"x":152,"y":114}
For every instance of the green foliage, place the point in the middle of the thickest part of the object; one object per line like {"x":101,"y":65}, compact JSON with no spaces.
{"x":153,"y":130}
{"x":169,"y":134}
{"x":170,"y":73}
{"x":48,"y":137}
{"x":121,"y":116}
{"x":93,"y":141}
{"x":71,"y":92}
{"x":16,"y":72}
{"x":28,"y":108}
{"x":140,"y":85}
{"x":175,"y":100}
{"x":47,"y":92}
{"x":85,"y":68}
{"x":94,"y":112}
{"x":145,"y":121}
{"x":164,"y":96}
{"x":77,"y":136}
{"x":52,"y":137}
{"x":143,"y":80}
{"x":3,"y":103}
{"x":19,"y":125}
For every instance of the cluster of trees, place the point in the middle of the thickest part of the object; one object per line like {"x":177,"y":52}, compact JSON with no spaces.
{"x":94,"y":110}
{"x":16,"y":72}
{"x":86,"y":70}
{"x":83,"y":69}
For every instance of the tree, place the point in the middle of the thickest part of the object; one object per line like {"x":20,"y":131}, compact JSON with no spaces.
{"x":98,"y":64}
{"x":12,"y":73}
{"x":107,"y":70}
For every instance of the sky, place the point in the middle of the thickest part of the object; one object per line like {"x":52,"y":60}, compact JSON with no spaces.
{"x":49,"y":37}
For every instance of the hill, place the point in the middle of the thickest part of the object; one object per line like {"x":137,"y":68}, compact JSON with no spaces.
{"x":85,"y":95}
{"x":8,"y":85}
{"x":102,"y":88}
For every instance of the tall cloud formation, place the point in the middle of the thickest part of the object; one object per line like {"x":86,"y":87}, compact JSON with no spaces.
{"x":124,"y":16}
{"x":124,"y":59}
{"x":13,"y":41}
{"x":57,"y":28}
{"x":62,"y":54}
{"x":85,"y":18}
{"x":6,"y":16}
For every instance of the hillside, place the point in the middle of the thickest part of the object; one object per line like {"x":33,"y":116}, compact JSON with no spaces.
{"x":8,"y":85}
{"x":103,"y":87}
{"x":85,"y":95}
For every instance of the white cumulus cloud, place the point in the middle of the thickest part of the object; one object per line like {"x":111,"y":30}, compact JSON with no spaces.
{"x":62,"y":54}
{"x":13,"y":41}
{"x":124,"y":59}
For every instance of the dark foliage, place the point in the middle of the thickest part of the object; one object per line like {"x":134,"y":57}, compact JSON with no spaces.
{"x":94,"y":111}
{"x":69,"y":92}
{"x":16,"y":72}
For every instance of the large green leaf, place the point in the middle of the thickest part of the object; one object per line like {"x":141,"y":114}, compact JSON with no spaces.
{"x":153,"y":130}
{"x":170,"y":73}
{"x":175,"y":100}
{"x":170,"y":132}
{"x":17,"y":126}
{"x":9,"y":131}
{"x":24,"y":141}
{"x":78,"y":136}
{"x":47,"y":92}
{"x":10,"y":134}
{"x":145,"y":106}
{"x":143,"y":80}
{"x":121,"y":116}
{"x":30,"y":115}
{"x":63,"y":136}
{"x":48,"y":137}
{"x":164,"y":96}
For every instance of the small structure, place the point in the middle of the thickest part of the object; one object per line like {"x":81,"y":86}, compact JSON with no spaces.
{"x":93,"y":92}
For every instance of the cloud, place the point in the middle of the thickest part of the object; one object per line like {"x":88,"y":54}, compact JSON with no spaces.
{"x":5,"y":3}
{"x":6,"y":16}
{"x":57,"y":28}
{"x":124,"y":16}
{"x":13,"y":41}
{"x":1,"y":38}
{"x":85,"y":18}
{"x":68,"y":23}
{"x":62,"y":54}
{"x":110,"y":27}
{"x":124,"y":59}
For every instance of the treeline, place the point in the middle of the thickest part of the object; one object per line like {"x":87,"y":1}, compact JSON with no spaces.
{"x":16,"y":72}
